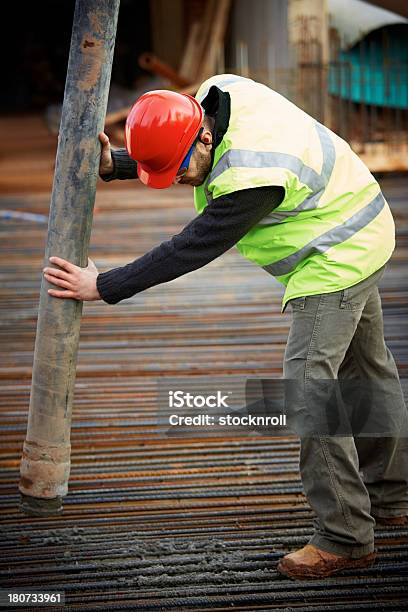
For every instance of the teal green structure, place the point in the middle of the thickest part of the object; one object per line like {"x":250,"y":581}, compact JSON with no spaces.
{"x":375,"y":70}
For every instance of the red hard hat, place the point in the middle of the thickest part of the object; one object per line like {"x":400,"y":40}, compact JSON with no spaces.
{"x":160,"y":128}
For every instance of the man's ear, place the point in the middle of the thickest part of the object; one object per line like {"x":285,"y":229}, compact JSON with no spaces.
{"x":206,"y":136}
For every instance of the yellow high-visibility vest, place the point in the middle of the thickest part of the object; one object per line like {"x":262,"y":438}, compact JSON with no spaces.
{"x":334,"y":227}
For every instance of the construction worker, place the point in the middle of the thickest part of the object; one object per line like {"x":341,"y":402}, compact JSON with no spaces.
{"x":296,"y":200}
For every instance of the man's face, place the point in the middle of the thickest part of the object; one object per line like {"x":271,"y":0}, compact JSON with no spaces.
{"x":200,"y":162}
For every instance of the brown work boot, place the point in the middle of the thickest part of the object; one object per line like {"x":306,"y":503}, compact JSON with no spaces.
{"x":312,"y":562}
{"x":392,"y":521}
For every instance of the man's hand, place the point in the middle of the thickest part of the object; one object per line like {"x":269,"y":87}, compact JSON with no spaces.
{"x":79,"y":283}
{"x":105,"y":162}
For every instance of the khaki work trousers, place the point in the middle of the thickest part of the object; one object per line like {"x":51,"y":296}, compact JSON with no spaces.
{"x":348,"y":479}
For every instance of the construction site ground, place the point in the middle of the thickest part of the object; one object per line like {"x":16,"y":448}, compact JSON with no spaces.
{"x":151,"y":521}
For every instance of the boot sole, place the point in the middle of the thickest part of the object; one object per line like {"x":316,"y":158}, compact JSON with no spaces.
{"x":304,"y":573}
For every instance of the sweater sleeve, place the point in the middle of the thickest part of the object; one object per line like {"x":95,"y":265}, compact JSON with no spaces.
{"x":221,"y":225}
{"x":124,"y":167}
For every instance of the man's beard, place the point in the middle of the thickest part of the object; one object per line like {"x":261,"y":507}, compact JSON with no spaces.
{"x":203,"y":168}
{"x":198,"y":180}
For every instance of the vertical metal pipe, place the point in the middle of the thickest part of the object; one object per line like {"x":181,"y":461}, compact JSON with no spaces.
{"x":45,"y":463}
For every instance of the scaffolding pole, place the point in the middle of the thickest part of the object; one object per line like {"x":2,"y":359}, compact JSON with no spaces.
{"x":45,"y":463}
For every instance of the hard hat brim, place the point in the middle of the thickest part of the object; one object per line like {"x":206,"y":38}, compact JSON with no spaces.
{"x":160,"y":180}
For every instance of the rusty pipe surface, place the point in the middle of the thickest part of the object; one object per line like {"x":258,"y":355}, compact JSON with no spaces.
{"x":45,"y":463}
{"x":150,"y":62}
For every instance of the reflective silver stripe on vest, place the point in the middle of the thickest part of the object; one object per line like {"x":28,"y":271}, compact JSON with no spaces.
{"x":244,"y":158}
{"x":311,"y":202}
{"x":329,"y":239}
